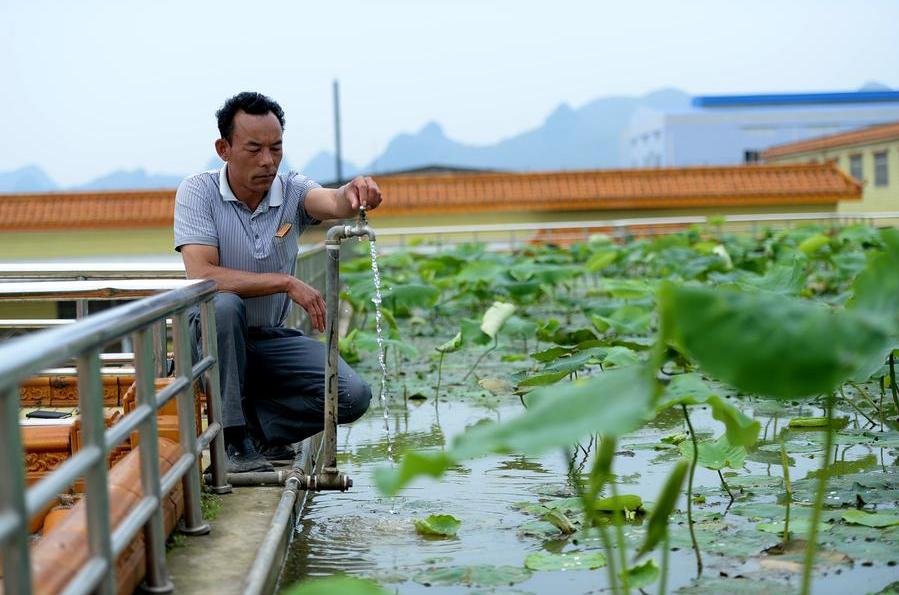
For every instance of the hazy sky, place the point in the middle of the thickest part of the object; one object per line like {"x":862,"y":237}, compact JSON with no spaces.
{"x":92,"y":86}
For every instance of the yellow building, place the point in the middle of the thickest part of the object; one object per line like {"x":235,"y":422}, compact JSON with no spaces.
{"x":870,"y":155}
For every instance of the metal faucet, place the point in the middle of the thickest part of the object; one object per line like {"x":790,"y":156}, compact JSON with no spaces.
{"x":329,"y":477}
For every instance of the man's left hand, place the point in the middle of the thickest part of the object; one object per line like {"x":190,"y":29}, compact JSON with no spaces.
{"x":362,"y":191}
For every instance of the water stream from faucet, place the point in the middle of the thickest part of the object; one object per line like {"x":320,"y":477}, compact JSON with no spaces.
{"x":376,"y":277}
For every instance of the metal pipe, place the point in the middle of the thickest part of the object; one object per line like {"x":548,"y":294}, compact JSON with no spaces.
{"x":332,"y":304}
{"x":263,"y":575}
{"x":329,"y":477}
{"x":187,"y":428}
{"x":176,"y":473}
{"x":122,"y":430}
{"x":206,"y":438}
{"x":156,"y":579}
{"x":89,"y":575}
{"x":256,"y":478}
{"x":93,"y":429}
{"x":218,"y":485}
{"x":48,"y":488}
{"x":261,"y":579}
{"x":13,"y":549}
{"x":9,"y":523}
{"x":173,"y":389}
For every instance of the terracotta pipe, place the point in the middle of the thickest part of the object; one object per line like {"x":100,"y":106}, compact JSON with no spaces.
{"x":57,"y":556}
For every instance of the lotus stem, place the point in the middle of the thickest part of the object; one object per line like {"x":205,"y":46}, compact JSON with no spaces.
{"x":589,"y":499}
{"x":893,"y":390}
{"x":439,"y":375}
{"x":785,"y":464}
{"x":726,"y":487}
{"x":663,"y":578}
{"x":618,"y":519}
{"x":690,"y":492}
{"x":864,"y":394}
{"x":856,"y":408}
{"x":812,"y":544}
{"x":483,"y":355}
{"x":610,"y":558}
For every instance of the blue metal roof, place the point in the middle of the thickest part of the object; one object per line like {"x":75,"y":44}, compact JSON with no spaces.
{"x":795,"y":99}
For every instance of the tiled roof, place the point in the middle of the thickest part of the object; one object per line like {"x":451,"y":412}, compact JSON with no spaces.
{"x":726,"y":186}
{"x":66,"y":210}
{"x":755,"y":185}
{"x":872,"y":134}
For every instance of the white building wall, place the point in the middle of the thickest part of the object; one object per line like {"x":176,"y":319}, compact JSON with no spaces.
{"x":721,"y":136}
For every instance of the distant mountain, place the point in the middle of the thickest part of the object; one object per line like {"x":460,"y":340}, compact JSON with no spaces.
{"x":216,"y":163}
{"x":30,"y":178}
{"x":322,"y":168}
{"x":583,"y":138}
{"x":134,"y":179}
{"x":875,"y":86}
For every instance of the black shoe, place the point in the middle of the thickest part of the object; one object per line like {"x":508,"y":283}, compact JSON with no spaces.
{"x":243,"y":458}
{"x":275,"y":454}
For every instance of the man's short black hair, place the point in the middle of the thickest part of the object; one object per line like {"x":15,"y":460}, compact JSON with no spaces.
{"x":251,"y":102}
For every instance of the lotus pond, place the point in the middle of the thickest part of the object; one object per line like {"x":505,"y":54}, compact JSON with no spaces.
{"x":692,"y":413}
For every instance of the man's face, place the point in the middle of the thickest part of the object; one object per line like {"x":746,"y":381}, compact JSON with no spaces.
{"x":253,"y":153}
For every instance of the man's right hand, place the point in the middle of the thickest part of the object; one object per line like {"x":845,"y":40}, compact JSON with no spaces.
{"x":310,"y":299}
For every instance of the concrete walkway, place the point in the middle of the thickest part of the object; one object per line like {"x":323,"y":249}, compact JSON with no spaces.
{"x":220,"y":561}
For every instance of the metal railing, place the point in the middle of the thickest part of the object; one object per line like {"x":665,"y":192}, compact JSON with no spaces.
{"x":509,"y":236}
{"x":309,"y":267}
{"x":22,"y":357}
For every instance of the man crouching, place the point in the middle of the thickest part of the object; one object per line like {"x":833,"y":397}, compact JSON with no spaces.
{"x":239,"y":226}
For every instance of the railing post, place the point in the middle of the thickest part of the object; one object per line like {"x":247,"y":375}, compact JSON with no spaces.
{"x":157,"y":577}
{"x":93,"y":428}
{"x":187,"y":428}
{"x":13,"y":549}
{"x":160,"y":345}
{"x":220,"y":483}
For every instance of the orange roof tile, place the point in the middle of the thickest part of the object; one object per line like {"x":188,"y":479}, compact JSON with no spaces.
{"x":872,"y":134}
{"x":749,"y":185}
{"x":724,"y":186}
{"x":66,"y":210}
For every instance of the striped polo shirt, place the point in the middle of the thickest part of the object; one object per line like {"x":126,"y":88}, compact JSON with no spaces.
{"x":207,"y":212}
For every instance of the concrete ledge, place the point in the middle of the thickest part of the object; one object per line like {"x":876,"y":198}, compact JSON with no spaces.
{"x":225,"y":560}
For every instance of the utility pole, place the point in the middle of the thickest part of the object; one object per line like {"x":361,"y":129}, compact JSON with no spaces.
{"x":338,"y":168}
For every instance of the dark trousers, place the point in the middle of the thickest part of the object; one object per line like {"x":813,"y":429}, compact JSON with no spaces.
{"x":273,"y":378}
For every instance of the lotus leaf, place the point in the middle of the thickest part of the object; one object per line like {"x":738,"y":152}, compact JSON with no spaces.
{"x":471,"y":576}
{"x":813,"y":244}
{"x":871,"y":519}
{"x":690,"y":389}
{"x":732,"y":336}
{"x":558,"y":519}
{"x":574,"y":560}
{"x":412,"y":295}
{"x":345,"y":585}
{"x":716,"y":455}
{"x":643,"y":575}
{"x":601,"y":260}
{"x":441,"y":525}
{"x":818,"y":422}
{"x":452,"y":345}
{"x":495,"y":317}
